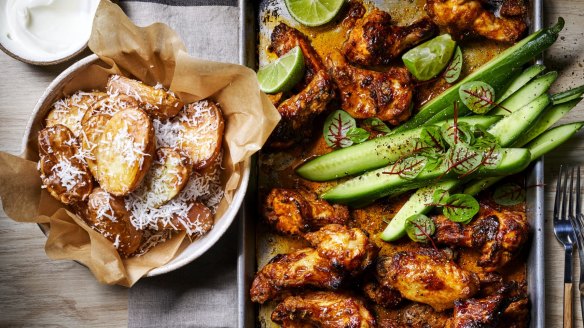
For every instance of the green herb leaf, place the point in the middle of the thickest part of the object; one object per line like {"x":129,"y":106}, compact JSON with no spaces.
{"x":408,"y":167}
{"x":431,"y":136}
{"x":509,"y":194}
{"x":357,"y":135}
{"x":336,"y":127}
{"x":460,"y":208}
{"x":420,"y":228}
{"x":377,"y":125}
{"x":478,"y":96}
{"x":464,"y":159}
{"x":440,"y":196}
{"x":452,"y":72}
{"x":483,"y":139}
{"x":457,"y":133}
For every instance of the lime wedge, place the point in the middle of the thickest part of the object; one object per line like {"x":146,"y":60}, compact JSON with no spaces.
{"x":282,"y":74}
{"x":314,"y":12}
{"x":430,"y":58}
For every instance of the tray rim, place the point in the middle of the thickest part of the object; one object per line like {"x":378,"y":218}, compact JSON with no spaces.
{"x":246,"y":248}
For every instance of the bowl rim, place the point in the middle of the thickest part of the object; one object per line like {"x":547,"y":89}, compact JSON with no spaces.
{"x":204,"y":243}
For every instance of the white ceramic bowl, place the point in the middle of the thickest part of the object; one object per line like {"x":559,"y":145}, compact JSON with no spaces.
{"x":55,"y":91}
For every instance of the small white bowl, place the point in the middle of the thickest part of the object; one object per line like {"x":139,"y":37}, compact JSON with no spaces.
{"x":56,"y":90}
{"x":25,"y":54}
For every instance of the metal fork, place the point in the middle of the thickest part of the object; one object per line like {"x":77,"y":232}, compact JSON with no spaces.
{"x":577,"y":220}
{"x":565,"y":235}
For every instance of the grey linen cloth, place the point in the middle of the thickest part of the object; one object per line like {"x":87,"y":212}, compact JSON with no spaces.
{"x":203,"y":293}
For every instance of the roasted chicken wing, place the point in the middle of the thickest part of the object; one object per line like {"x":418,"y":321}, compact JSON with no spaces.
{"x":427,"y":276}
{"x":480,"y":312}
{"x":347,"y":248}
{"x":314,"y":92}
{"x":366,"y":93}
{"x":323,"y":309}
{"x":297,"y":211}
{"x":374,"y":40}
{"x":461,"y":17}
{"x":303,"y":268}
{"x":499,"y":235}
{"x":386,"y":297}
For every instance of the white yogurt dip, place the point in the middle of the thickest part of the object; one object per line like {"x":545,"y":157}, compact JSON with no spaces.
{"x":45,"y":30}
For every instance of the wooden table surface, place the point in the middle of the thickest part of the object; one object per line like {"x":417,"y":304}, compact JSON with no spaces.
{"x":36,"y":291}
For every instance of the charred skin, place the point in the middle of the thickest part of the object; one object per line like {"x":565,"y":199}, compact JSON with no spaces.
{"x":312,"y":94}
{"x":374,"y":40}
{"x":461,"y":17}
{"x":323,"y":309}
{"x":366,"y":93}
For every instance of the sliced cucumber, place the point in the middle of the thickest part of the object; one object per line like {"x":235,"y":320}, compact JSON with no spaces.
{"x":511,"y":127}
{"x":376,"y":184}
{"x":372,"y":154}
{"x":526,"y":95}
{"x":527,"y":75}
{"x":562,"y":97}
{"x":417,"y":204}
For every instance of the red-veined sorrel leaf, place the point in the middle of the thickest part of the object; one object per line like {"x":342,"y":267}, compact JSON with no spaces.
{"x":408,"y":167}
{"x":509,"y":194}
{"x":439,"y":197}
{"x":335,"y":129}
{"x":357,"y":135}
{"x":460,"y":208}
{"x":431,"y":136}
{"x":478,"y":96}
{"x":454,"y":133}
{"x":377,"y":125}
{"x":420,"y":228}
{"x":452,"y":71}
{"x":462,"y":159}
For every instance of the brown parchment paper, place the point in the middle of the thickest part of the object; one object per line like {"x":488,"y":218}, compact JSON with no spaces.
{"x":151,"y":54}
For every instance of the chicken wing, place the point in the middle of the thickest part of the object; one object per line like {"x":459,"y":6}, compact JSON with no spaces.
{"x":315,"y":90}
{"x":480,"y":312}
{"x":366,"y":93}
{"x":297,"y":211}
{"x":347,"y":248}
{"x":427,"y":276}
{"x":323,"y":309}
{"x":303,"y":268}
{"x":374,"y":40}
{"x":499,"y":235}
{"x":386,"y":297}
{"x":460,"y":17}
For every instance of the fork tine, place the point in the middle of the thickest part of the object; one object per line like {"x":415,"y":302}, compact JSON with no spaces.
{"x":558,"y":195}
{"x":563,"y":214}
{"x":571,"y":209}
{"x":578,"y":200}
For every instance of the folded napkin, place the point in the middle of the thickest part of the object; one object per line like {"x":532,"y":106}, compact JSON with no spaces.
{"x":203,"y":293}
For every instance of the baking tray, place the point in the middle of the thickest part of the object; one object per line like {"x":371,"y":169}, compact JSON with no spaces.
{"x":246,"y":264}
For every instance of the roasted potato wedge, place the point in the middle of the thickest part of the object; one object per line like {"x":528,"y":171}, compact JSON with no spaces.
{"x":69,"y":111}
{"x":156,"y":101}
{"x":198,"y":221}
{"x":108,"y":106}
{"x":125,"y":151}
{"x":108,"y":215}
{"x":63,"y":171}
{"x":91,"y":131}
{"x":168,"y":175}
{"x":202,"y":133}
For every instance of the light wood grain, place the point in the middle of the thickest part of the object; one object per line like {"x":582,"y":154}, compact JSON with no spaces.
{"x":74,"y":299}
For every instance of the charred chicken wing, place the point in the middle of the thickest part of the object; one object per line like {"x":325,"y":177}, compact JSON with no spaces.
{"x":303,"y":268}
{"x":480,"y":312}
{"x":323,"y":309}
{"x":460,"y":17}
{"x":315,"y":91}
{"x":427,"y":276}
{"x":386,"y":297}
{"x":347,"y":248}
{"x":499,"y":235}
{"x":374,"y":40}
{"x":297,"y":211}
{"x":366,"y":93}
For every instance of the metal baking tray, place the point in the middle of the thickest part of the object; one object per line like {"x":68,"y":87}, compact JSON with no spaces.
{"x":246,"y":265}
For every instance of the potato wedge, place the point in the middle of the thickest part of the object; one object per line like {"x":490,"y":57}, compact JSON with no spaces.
{"x":109,"y":105}
{"x":91,"y":131}
{"x":168,"y":175}
{"x":69,"y":111}
{"x":198,"y":221}
{"x":63,"y":171}
{"x":156,"y":101}
{"x":108,"y":215}
{"x":125,"y":151}
{"x":202,"y":133}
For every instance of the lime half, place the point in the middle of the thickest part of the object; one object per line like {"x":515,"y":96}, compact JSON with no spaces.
{"x":430,"y":58}
{"x":282,"y":74}
{"x":314,"y":12}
